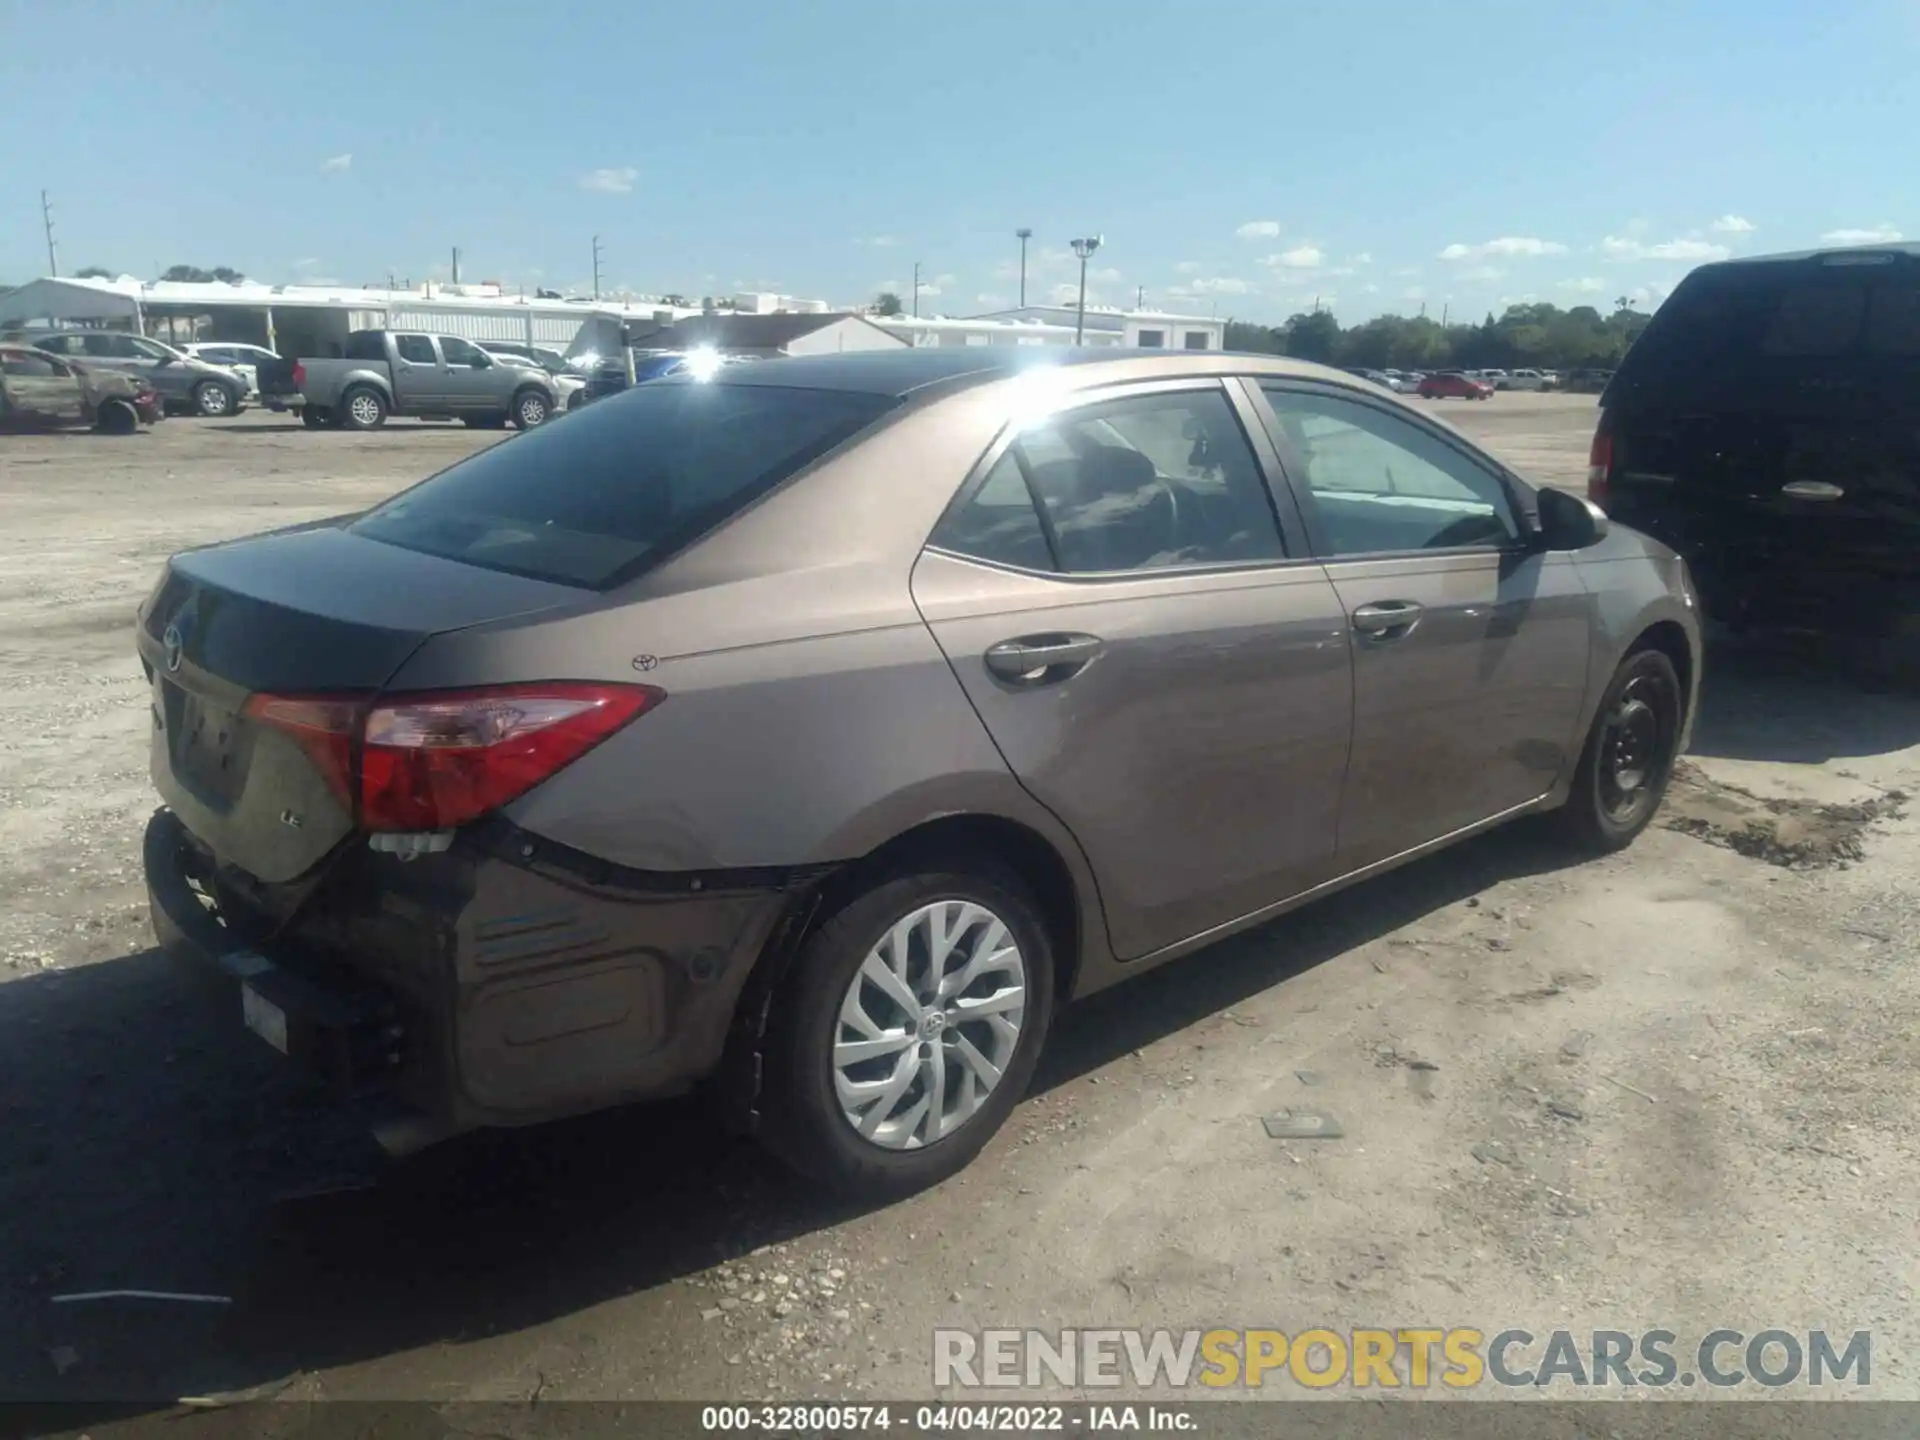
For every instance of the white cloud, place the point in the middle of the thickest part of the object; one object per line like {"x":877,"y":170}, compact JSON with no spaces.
{"x":1363,"y":258}
{"x":1214,"y":285}
{"x":1585,"y":285}
{"x":334,"y":164}
{"x":1107,"y":276}
{"x":1733,"y":225}
{"x":1259,"y":230}
{"x":1189,"y":267}
{"x":1512,"y":245}
{"x":1300,"y":257}
{"x":1369,"y":289}
{"x":306,"y":262}
{"x":882,"y":242}
{"x":992,"y":301}
{"x":1616,"y":247}
{"x":612,"y":181}
{"x":1885,"y":233}
{"x":1481,"y":273}
{"x":1413,"y":292}
{"x":1406,"y":270}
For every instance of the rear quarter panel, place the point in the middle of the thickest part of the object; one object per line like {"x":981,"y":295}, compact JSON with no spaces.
{"x":327,"y":380}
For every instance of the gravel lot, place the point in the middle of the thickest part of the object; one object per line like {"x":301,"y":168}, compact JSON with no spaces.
{"x":1672,"y":1088}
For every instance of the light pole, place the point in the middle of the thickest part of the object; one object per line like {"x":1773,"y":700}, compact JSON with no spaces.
{"x":1084,"y":250}
{"x":1023,"y":235}
{"x":916,"y":289}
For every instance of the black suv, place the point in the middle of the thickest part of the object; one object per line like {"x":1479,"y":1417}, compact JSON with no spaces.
{"x":1767,"y":426}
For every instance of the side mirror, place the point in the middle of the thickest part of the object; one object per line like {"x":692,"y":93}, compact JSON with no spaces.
{"x":481,"y":362}
{"x":1569,"y":521}
{"x":164,"y":360}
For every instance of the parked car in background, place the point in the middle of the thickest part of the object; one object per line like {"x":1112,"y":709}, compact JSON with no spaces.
{"x":1521,"y":380}
{"x":1495,"y":377}
{"x":185,"y":385}
{"x":1586,"y":381}
{"x":1764,"y":426}
{"x":609,"y":376}
{"x":1454,"y":385}
{"x":433,"y":377}
{"x":567,"y":383}
{"x":243,"y":360}
{"x":39,"y":391}
{"x":843,"y":848}
{"x":547,"y":358}
{"x":1550,"y":379}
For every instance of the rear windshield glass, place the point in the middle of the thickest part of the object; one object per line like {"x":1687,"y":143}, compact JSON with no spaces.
{"x":1747,"y":331}
{"x":593,"y":497}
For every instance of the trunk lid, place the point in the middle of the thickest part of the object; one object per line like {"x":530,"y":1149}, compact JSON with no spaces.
{"x":312,"y":610}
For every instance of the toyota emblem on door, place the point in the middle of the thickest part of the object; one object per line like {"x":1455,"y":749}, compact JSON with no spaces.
{"x":172,"y":645}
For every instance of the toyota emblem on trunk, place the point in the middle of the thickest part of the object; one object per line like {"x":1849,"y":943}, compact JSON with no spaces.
{"x":172,"y":645}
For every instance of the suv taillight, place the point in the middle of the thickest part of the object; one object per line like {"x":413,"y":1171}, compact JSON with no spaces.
{"x":299,"y":375}
{"x":1600,"y":463}
{"x":437,"y":760}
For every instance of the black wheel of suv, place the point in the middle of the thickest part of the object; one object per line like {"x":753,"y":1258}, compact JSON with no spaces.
{"x":907,"y":1031}
{"x":116,"y":417}
{"x":214,"y":400}
{"x":363,"y":408}
{"x":1629,"y":755}
{"x":314,"y":417}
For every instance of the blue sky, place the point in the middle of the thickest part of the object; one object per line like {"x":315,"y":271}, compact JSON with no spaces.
{"x":1241,"y":157}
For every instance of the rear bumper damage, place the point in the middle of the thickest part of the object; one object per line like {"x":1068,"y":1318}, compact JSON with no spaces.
{"x":504,"y":981}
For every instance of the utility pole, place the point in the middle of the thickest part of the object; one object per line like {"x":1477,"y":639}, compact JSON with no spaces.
{"x":596,"y":267}
{"x":1023,"y":234}
{"x":1083,"y":250}
{"x":1446,"y":309}
{"x":916,"y":289}
{"x":46,"y":219}
{"x":1140,"y":297}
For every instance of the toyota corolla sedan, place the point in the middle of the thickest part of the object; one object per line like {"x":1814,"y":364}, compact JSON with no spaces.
{"x":812,"y":731}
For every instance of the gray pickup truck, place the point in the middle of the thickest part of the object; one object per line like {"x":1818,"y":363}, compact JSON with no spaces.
{"x":398,"y":372}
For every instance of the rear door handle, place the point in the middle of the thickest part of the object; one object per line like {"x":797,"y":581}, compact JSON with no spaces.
{"x":1387,"y":620}
{"x":1042,"y":659}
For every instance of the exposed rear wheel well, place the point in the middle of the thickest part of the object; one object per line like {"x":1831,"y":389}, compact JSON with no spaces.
{"x":1670,"y":640}
{"x":957,"y":839}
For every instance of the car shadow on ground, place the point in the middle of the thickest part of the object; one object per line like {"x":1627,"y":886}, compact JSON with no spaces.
{"x":1801,"y":699}
{"x":146,"y":1142}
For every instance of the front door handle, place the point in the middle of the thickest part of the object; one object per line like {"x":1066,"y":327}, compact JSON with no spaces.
{"x":1042,"y":659}
{"x":1387,"y":620}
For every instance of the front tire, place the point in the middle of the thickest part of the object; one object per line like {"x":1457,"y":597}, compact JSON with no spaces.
{"x":530,"y":410}
{"x":908,"y":1030}
{"x":117,"y":417}
{"x":1628,"y":760}
{"x":363,"y":408}
{"x":314,"y":417}
{"x":214,"y":400}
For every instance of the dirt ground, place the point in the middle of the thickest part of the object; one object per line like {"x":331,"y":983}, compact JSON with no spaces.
{"x":1668,"y":1089}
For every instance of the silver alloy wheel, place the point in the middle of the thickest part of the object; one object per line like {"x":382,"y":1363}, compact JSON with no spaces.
{"x":533,"y":410}
{"x":214,"y":400}
{"x":365,"y":408}
{"x":929,"y":1024}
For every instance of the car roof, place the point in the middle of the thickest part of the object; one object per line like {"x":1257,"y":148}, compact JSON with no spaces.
{"x":1909,"y":249}
{"x":903,"y":373}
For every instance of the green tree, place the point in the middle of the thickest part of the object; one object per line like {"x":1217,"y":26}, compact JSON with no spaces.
{"x":888,"y":303}
{"x":194,"y":275}
{"x":1313,"y":337}
{"x":1254,"y":339}
{"x":93,"y":272}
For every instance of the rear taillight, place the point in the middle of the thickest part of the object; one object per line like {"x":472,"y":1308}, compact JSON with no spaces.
{"x":1600,"y":463}
{"x":437,"y":760}
{"x":299,"y":375}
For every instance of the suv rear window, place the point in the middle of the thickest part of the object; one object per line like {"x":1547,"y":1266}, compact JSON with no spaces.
{"x":1744,"y":331}
{"x":597,"y":496}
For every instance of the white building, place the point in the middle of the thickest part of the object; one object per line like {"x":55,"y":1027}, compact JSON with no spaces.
{"x":937,"y":330}
{"x":311,"y":319}
{"x":1134,"y":329}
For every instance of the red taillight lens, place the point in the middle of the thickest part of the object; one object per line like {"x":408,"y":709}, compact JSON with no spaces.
{"x":431,"y":762}
{"x":1600,"y":464}
{"x":299,"y":375}
{"x":323,"y":726}
{"x":437,"y":760}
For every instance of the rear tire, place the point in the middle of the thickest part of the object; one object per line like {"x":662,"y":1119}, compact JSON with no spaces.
{"x":363,"y":408}
{"x":1628,"y":759}
{"x":531,"y":409}
{"x":117,"y":417}
{"x":314,"y":417}
{"x":935,"y":1056}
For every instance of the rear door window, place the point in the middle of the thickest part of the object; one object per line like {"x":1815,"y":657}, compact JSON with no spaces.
{"x":622,"y":483}
{"x":415,"y":349}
